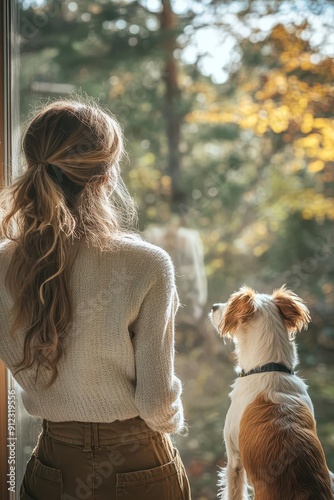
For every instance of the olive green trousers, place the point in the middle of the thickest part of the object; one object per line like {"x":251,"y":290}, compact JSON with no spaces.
{"x":121,"y":460}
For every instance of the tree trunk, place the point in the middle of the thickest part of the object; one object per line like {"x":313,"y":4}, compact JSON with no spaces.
{"x":172,"y":104}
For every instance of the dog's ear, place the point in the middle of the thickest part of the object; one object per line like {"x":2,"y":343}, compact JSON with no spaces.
{"x":240,"y":307}
{"x":293,"y":311}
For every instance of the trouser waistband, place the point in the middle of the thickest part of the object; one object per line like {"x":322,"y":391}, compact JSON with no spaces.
{"x":95,"y":434}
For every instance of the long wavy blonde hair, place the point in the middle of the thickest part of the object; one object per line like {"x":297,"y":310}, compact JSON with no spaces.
{"x":45,"y":217}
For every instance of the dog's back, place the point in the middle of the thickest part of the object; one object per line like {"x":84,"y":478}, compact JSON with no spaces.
{"x":281,"y":452}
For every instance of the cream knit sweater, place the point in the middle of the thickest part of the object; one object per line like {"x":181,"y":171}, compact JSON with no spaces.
{"x":119,"y":354}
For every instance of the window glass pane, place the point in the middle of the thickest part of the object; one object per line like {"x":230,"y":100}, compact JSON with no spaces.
{"x":27,"y":427}
{"x":227,"y":111}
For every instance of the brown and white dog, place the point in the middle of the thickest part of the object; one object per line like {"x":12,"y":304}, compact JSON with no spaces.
{"x":270,"y":432}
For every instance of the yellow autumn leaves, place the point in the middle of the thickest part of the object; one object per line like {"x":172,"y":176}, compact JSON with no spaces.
{"x":292,"y":99}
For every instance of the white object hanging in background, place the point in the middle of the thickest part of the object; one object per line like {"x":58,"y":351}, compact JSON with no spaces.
{"x":186,"y":249}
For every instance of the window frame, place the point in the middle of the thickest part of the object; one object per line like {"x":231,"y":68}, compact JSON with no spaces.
{"x":9,"y":115}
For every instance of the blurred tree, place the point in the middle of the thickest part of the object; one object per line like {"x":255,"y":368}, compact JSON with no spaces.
{"x":125,"y":55}
{"x":173,"y":108}
{"x":282,"y":107}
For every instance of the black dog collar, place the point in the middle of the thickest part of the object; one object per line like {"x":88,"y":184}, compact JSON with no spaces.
{"x":269,"y":367}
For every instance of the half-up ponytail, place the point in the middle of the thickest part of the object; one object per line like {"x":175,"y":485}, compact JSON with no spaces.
{"x":45,"y":221}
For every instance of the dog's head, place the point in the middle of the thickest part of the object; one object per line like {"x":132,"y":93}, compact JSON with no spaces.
{"x":247,"y":306}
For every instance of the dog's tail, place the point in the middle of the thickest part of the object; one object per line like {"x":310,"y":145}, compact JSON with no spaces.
{"x":223,"y":486}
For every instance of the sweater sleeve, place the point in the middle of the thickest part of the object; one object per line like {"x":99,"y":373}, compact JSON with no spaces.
{"x":158,"y":390}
